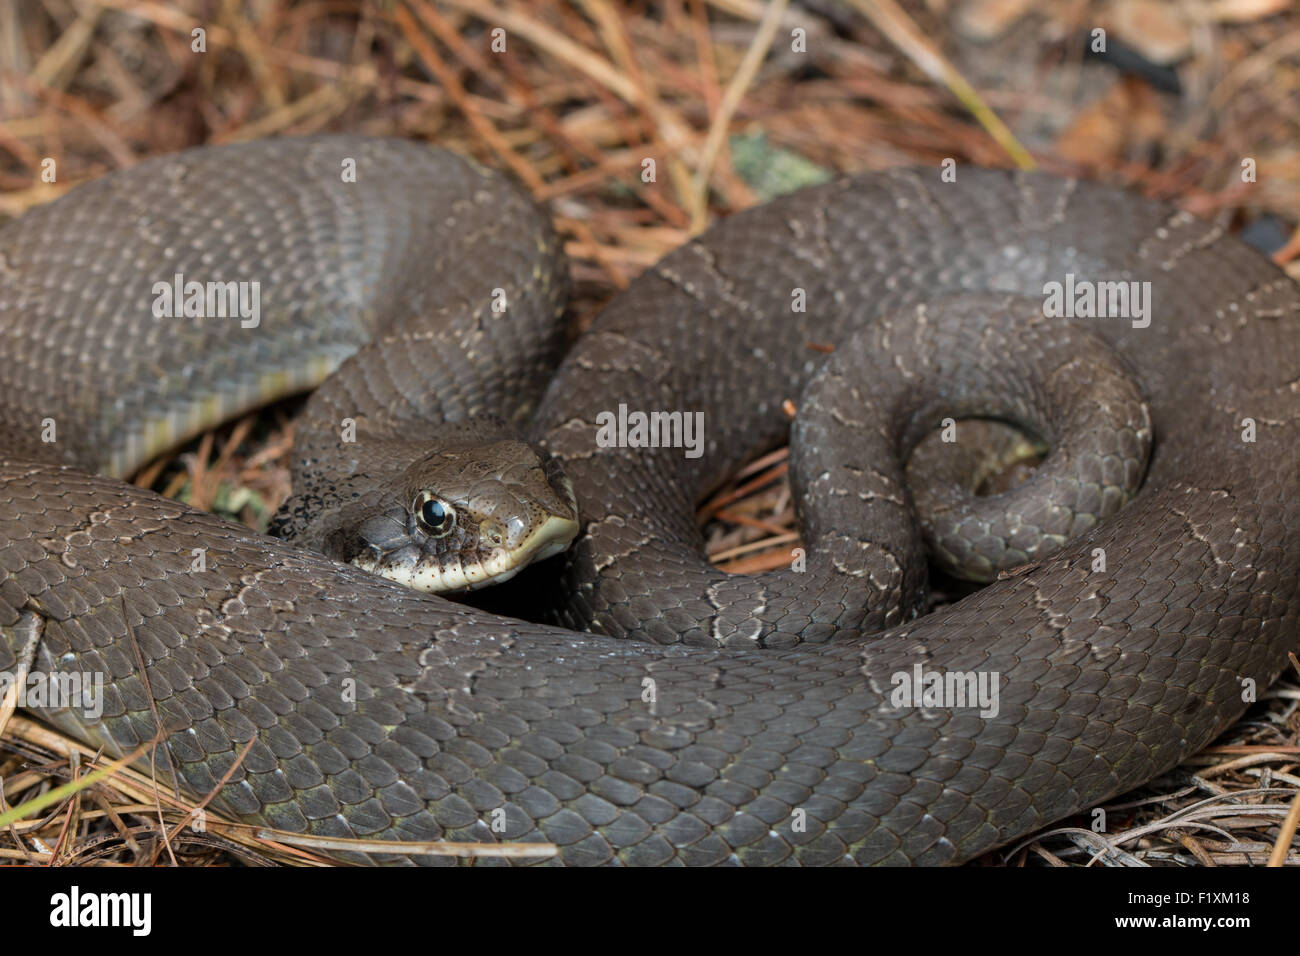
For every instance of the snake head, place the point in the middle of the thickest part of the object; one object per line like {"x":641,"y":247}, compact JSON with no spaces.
{"x":466,"y":517}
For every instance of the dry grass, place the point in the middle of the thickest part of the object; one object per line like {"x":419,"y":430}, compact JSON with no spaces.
{"x":713,"y":92}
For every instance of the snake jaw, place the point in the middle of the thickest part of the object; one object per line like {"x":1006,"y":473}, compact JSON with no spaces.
{"x":469,"y":569}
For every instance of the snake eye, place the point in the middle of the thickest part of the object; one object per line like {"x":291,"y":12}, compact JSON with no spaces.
{"x":436,"y":518}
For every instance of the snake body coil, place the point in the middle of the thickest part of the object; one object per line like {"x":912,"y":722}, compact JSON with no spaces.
{"x":384,"y":713}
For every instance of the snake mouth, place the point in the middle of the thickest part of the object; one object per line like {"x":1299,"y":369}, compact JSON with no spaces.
{"x":472,"y":569}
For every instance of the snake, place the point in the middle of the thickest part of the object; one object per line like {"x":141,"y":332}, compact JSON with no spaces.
{"x":622,"y":700}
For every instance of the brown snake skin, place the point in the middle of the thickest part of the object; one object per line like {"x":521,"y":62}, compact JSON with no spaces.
{"x":749,"y":722}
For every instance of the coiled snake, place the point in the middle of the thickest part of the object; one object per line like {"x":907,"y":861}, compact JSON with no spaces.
{"x":699,"y":717}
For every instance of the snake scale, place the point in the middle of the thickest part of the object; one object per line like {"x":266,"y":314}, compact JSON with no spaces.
{"x":670,"y":713}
